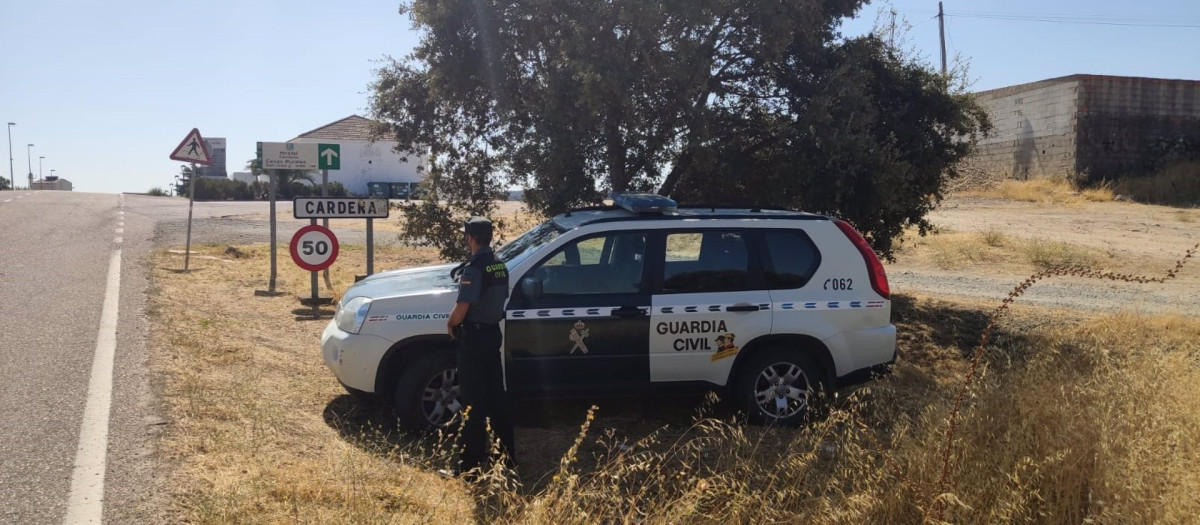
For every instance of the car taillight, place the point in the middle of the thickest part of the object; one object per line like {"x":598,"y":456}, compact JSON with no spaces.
{"x":879,"y":280}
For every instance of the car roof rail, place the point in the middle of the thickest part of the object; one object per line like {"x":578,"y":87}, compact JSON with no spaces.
{"x":735,"y":206}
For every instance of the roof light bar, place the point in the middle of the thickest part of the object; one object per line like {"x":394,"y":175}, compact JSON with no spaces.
{"x":644,"y":202}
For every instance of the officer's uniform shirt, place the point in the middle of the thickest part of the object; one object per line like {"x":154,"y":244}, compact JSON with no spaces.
{"x":484,"y":284}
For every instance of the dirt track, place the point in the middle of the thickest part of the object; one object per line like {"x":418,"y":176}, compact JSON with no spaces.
{"x":1148,"y":239}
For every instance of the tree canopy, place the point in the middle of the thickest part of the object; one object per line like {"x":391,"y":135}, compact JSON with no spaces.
{"x":708,"y":101}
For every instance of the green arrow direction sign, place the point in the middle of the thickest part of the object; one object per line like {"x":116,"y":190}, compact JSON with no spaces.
{"x":329,"y":156}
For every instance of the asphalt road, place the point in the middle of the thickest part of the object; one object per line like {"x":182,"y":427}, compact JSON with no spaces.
{"x":55,"y":253}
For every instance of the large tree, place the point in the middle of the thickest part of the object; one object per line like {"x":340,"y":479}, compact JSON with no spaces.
{"x":712,"y":101}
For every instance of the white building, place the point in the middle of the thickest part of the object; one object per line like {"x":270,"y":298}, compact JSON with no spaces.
{"x":363,"y":161}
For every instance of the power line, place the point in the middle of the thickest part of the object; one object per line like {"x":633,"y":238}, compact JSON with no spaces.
{"x":1074,"y":19}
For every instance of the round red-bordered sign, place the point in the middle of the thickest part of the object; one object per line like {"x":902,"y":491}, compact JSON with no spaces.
{"x":314,"y":247}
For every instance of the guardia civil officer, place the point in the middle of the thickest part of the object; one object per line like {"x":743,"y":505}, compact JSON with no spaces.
{"x":475,"y":323}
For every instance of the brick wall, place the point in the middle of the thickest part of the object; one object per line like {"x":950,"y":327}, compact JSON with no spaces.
{"x":1131,"y":126}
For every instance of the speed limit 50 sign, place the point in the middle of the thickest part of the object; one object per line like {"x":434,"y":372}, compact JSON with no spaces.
{"x":314,"y":248}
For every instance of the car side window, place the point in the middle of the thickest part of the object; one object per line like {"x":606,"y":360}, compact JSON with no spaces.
{"x":605,"y":264}
{"x":709,"y":261}
{"x":584,"y":252}
{"x":792,"y":259}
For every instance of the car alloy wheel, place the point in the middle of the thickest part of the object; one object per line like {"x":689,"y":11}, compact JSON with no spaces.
{"x":440,"y":403}
{"x":782,"y":391}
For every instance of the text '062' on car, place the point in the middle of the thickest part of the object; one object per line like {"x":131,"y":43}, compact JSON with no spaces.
{"x":772,"y":308}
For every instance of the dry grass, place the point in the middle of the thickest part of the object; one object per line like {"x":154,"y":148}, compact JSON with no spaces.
{"x":1044,"y":253}
{"x":1063,"y":429}
{"x":1177,"y":185}
{"x":994,"y":238}
{"x":997,"y":251}
{"x":1045,"y":191}
{"x":249,"y":403}
{"x":1072,"y":420}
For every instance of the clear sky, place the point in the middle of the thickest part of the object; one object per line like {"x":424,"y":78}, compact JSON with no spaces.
{"x":105,"y":90}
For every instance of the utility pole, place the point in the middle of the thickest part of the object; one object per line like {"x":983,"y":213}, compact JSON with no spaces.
{"x":29,"y":163}
{"x":11,"y":177}
{"x":942,"y":35}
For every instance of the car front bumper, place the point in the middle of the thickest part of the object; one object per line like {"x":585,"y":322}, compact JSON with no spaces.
{"x":353,"y":358}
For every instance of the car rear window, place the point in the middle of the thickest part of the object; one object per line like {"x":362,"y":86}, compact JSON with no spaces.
{"x":792,"y":259}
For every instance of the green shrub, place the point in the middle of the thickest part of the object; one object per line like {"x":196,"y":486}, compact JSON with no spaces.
{"x":222,"y":189}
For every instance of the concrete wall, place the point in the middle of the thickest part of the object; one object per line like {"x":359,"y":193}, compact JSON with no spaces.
{"x":57,"y":185}
{"x":1033,"y":130}
{"x":1132,"y":126}
{"x":364,"y":162}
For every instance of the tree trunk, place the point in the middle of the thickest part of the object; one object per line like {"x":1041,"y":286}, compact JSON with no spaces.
{"x":615,"y":149}
{"x":681,"y":165}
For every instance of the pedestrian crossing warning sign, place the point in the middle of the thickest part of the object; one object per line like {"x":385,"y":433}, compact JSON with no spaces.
{"x":193,"y":149}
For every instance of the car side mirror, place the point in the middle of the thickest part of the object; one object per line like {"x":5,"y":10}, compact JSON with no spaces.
{"x":531,"y":287}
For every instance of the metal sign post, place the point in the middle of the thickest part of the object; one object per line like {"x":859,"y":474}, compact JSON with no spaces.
{"x":370,"y":246}
{"x":193,"y":149}
{"x":316,"y":292}
{"x":187,"y":249}
{"x":325,"y":222}
{"x":271,"y":188}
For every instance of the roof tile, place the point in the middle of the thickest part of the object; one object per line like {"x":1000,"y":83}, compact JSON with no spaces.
{"x":353,"y":127}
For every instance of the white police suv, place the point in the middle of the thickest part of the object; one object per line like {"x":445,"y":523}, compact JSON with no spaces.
{"x":771,"y":307}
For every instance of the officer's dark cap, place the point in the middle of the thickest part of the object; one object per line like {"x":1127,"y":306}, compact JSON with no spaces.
{"x":478,"y":226}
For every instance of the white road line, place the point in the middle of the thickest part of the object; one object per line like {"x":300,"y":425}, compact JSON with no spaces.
{"x":86,"y":501}
{"x":118,"y":239}
{"x":7,"y":200}
{"x":120,"y":230}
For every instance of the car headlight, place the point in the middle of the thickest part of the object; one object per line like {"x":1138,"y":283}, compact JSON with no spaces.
{"x":350,"y":316}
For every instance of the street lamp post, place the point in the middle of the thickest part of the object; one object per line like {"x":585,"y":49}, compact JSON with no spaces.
{"x":40,"y":159}
{"x":11,"y":178}
{"x":52,"y":173}
{"x":29,"y":163}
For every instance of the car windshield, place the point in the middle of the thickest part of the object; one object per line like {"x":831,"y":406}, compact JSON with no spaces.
{"x":522,"y":247}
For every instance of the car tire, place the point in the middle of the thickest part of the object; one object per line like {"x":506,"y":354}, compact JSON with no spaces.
{"x":781,"y":386}
{"x":427,"y":394}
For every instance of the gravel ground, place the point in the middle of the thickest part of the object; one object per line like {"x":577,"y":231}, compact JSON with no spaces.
{"x":1177,"y":297}
{"x":1153,"y":236}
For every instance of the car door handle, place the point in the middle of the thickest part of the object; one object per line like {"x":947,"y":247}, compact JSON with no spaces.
{"x":742,"y":308}
{"x":628,"y":312}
